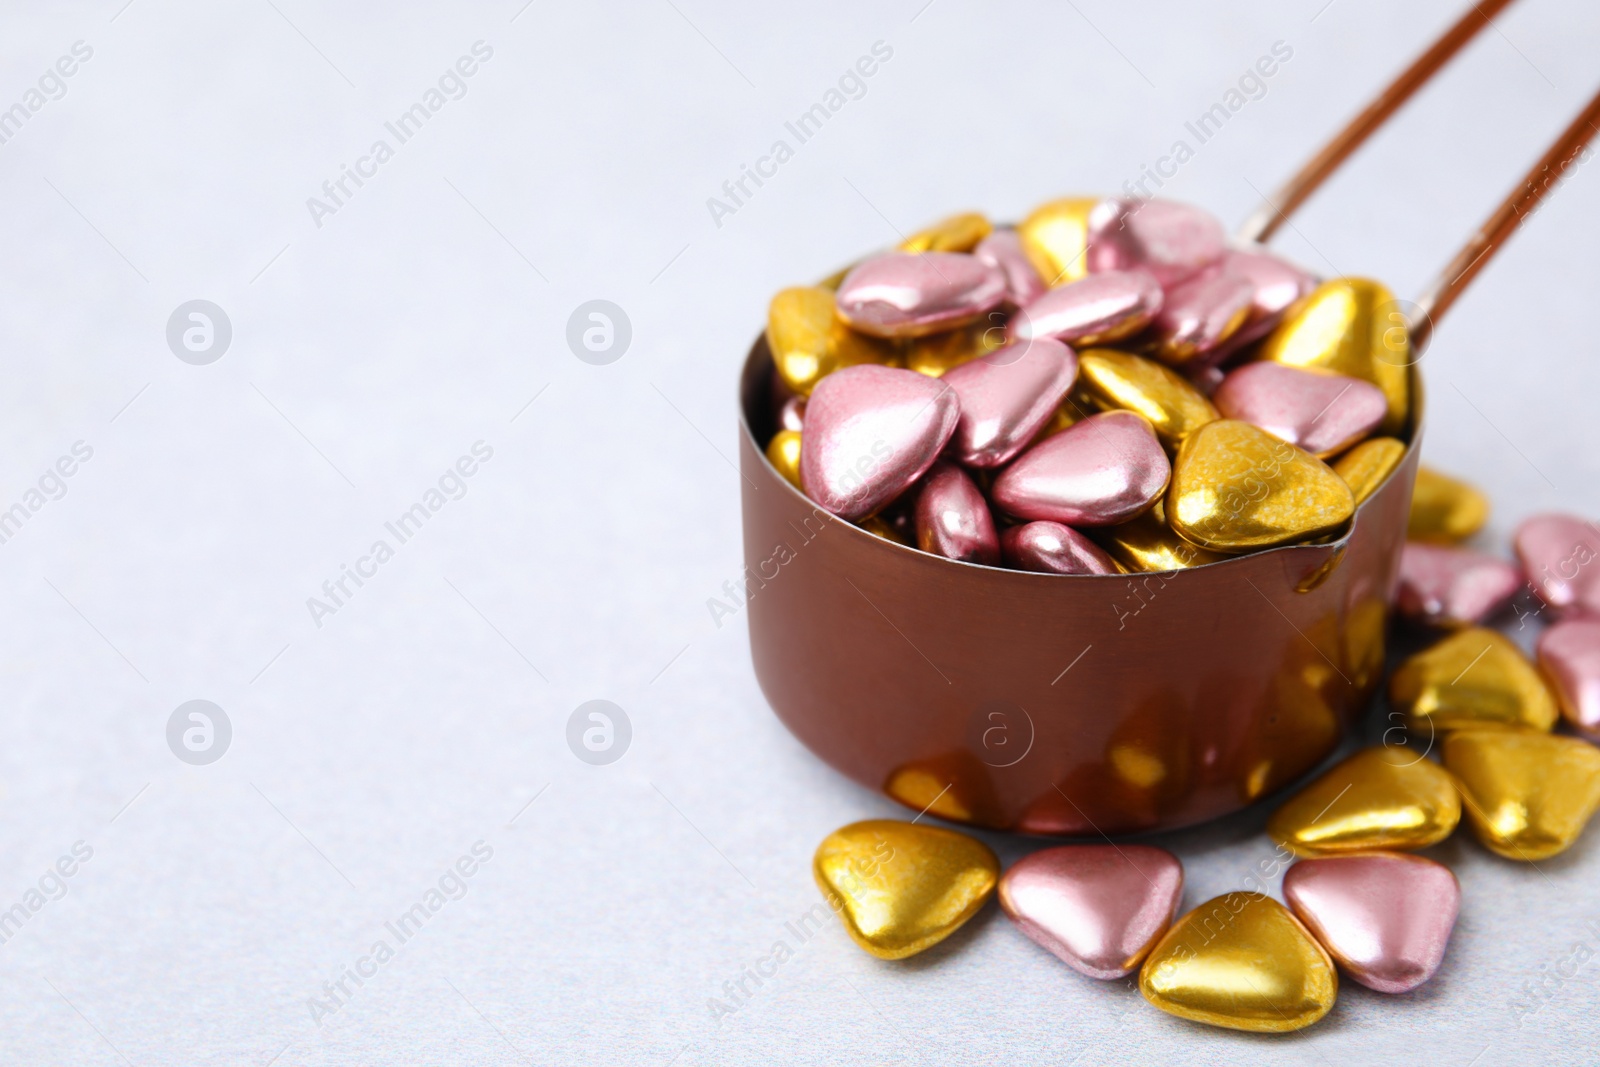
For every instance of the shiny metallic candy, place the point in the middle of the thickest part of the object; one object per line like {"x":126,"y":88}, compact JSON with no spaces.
{"x":901,"y":888}
{"x":1384,"y":917}
{"x":953,"y":518}
{"x":1007,"y":397}
{"x":1243,"y":962}
{"x":1095,"y":310}
{"x":1098,"y":908}
{"x":871,"y":432}
{"x":1447,"y":586}
{"x":1076,"y":356}
{"x":1101,"y":471}
{"x":905,"y":295}
{"x":1052,"y":548}
{"x":1322,"y":412}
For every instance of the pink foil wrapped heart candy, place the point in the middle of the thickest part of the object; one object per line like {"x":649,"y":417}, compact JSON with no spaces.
{"x":1006,"y":398}
{"x":1385,"y":917}
{"x":1091,"y":311}
{"x":1320,"y":412}
{"x":1098,"y":908}
{"x":907,"y":294}
{"x":1561,"y":556}
{"x":1200,"y":313}
{"x":1276,"y":283}
{"x":1448,"y":586}
{"x":1173,"y":241}
{"x":953,"y":519}
{"x":1104,"y":470}
{"x":1003,"y":251}
{"x":870,"y":433}
{"x":1569,"y":656}
{"x":1052,"y":548}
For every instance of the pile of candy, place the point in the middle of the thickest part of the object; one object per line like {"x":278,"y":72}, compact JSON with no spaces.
{"x":1356,"y":898}
{"x":960,"y":395}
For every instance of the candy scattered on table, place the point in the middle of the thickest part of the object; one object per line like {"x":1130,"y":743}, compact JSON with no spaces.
{"x":1445,"y":510}
{"x":1569,"y":656}
{"x":1243,"y":962}
{"x":1561,"y":555}
{"x":1063,"y":342}
{"x":1380,"y":798}
{"x":901,"y":888}
{"x":1448,"y":586}
{"x":1475,"y":677}
{"x":1529,"y":794}
{"x":1384,"y":917}
{"x":1098,"y":908}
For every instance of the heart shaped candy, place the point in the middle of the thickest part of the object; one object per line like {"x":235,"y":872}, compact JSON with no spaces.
{"x":1103,"y":470}
{"x":900,"y":887}
{"x":1449,"y":586}
{"x":1173,"y":241}
{"x":1569,"y":656}
{"x":1385,"y":917}
{"x":1390,"y":797}
{"x":1052,"y":548}
{"x":953,"y":519}
{"x":906,"y":295}
{"x":1243,"y":962}
{"x":1236,"y":488}
{"x":1094,"y":310}
{"x":1003,"y":250}
{"x":1099,"y":908}
{"x":870,"y":433}
{"x":1006,"y":397}
{"x":1561,"y":554}
{"x":1529,"y":795}
{"x":1322,"y":412}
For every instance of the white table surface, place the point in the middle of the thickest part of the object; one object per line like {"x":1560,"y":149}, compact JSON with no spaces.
{"x":372,"y":351}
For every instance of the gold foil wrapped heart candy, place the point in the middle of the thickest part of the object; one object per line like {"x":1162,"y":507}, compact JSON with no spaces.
{"x":1241,"y":961}
{"x":1475,"y":677}
{"x":1236,"y":488}
{"x":809,"y":342}
{"x":1528,"y":795}
{"x":1445,"y":510}
{"x":901,"y":888}
{"x":1379,"y":798}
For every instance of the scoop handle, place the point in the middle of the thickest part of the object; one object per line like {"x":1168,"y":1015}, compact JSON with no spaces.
{"x":1517,"y":208}
{"x":1275,"y":212}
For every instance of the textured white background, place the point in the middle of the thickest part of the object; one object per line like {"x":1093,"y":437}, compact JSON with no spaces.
{"x":374,"y":350}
